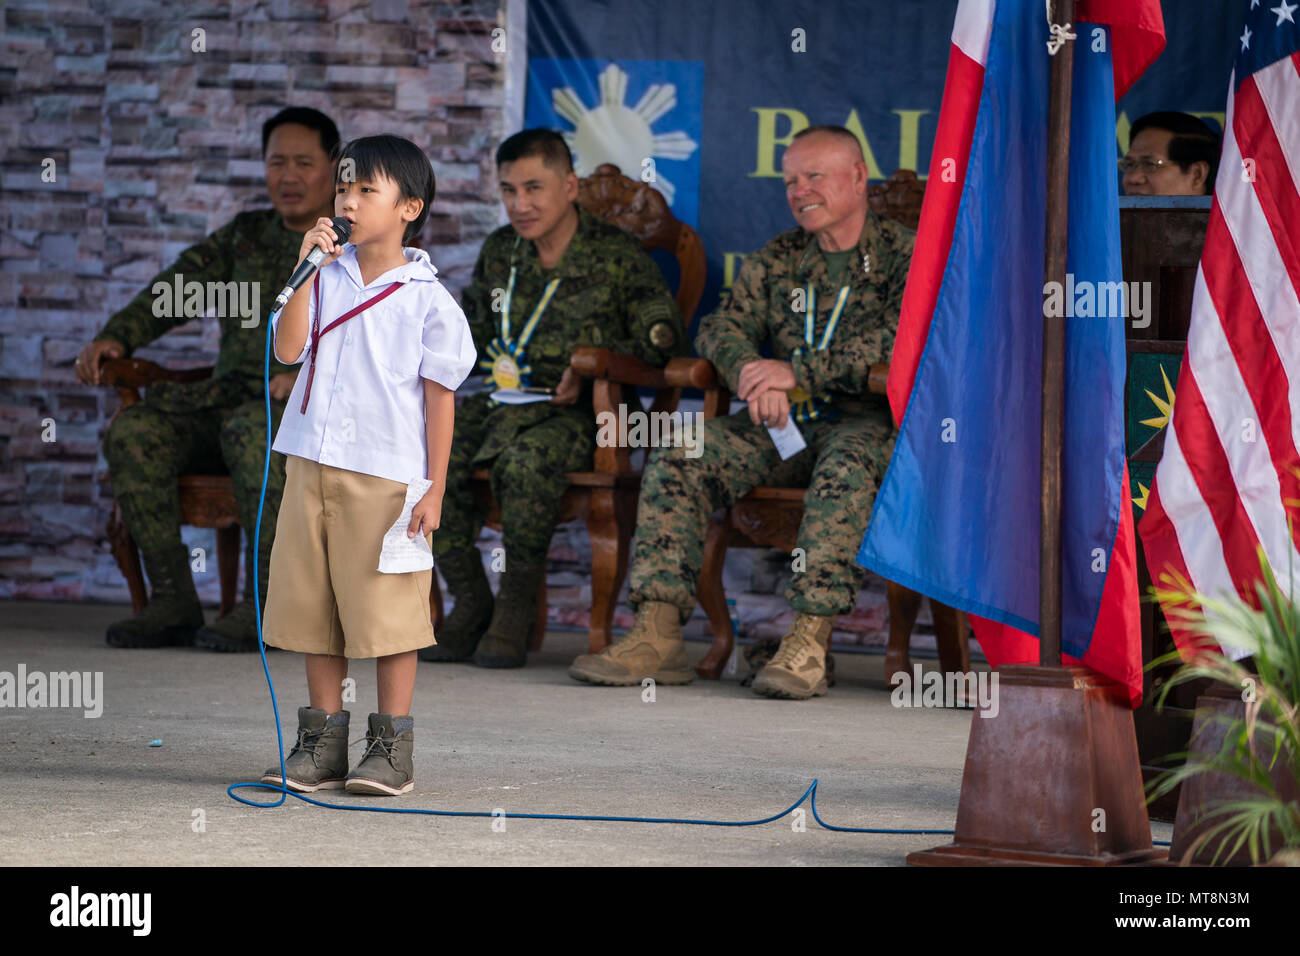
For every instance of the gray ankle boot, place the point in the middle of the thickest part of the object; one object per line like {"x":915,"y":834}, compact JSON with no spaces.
{"x":387,"y":767}
{"x":319,"y":759}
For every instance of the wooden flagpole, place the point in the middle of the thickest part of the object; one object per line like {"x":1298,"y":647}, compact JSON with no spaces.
{"x":1053,"y":422}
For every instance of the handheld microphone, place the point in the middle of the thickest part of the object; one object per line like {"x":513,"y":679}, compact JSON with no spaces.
{"x":307,"y":268}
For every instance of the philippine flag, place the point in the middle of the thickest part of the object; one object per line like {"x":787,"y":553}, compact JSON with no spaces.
{"x":957,"y":516}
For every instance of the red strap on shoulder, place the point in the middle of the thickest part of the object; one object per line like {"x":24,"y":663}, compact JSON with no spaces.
{"x":317,"y":332}
{"x":362,"y":307}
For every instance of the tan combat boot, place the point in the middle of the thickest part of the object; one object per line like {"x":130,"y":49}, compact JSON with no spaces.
{"x":798,"y":669}
{"x":651,"y":648}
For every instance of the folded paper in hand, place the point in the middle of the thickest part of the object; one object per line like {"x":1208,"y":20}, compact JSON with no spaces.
{"x":399,"y":553}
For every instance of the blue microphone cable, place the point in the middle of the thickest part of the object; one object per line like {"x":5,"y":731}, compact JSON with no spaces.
{"x":283,"y":789}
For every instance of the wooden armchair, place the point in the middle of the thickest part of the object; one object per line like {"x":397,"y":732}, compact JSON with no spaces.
{"x":770,"y":516}
{"x":606,"y":497}
{"x":207,"y":501}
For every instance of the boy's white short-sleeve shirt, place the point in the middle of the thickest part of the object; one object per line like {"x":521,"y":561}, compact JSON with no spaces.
{"x":366,"y":409}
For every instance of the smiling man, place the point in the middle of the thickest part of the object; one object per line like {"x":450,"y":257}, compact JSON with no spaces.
{"x":554,"y":279}
{"x":1170,"y":154}
{"x":216,"y":425}
{"x":824,"y":297}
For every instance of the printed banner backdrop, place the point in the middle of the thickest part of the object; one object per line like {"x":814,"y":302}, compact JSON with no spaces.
{"x":641,"y":115}
{"x":703,"y":97}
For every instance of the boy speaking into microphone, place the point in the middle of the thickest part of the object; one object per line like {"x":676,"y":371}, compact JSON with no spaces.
{"x":367,"y":432}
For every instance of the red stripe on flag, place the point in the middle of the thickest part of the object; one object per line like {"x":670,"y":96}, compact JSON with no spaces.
{"x":1160,"y":544}
{"x":961,"y":99}
{"x":1160,"y":541}
{"x":1116,"y":647}
{"x":1003,"y":644}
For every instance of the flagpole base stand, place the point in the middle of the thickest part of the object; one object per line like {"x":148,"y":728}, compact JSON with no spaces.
{"x":1053,"y":779}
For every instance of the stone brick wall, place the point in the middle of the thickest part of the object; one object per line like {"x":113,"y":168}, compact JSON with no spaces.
{"x":154,"y":145}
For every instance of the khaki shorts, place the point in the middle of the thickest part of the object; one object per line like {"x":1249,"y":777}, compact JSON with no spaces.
{"x":325,"y":595}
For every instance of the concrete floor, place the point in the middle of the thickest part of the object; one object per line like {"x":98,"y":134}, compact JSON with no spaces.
{"x":90,"y":791}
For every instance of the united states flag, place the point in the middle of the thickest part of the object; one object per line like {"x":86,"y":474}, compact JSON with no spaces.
{"x":1228,"y":478}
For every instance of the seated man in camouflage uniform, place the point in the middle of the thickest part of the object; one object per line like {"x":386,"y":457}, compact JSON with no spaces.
{"x":217,"y":425}
{"x":554,"y":279}
{"x":825,"y":297}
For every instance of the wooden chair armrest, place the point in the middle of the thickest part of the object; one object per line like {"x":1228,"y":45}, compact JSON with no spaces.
{"x":138,"y":373}
{"x":610,"y":371}
{"x":627,"y":369}
{"x":591,"y":362}
{"x":692,"y":373}
{"x":128,"y":376}
{"x":699,"y":373}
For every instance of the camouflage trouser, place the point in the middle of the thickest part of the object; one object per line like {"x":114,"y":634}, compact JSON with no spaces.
{"x":147,"y":449}
{"x":842,"y":467}
{"x":527,"y":480}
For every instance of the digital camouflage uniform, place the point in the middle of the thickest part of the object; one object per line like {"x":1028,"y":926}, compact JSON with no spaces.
{"x":611,"y":295}
{"x":210,"y":426}
{"x":845,"y":459}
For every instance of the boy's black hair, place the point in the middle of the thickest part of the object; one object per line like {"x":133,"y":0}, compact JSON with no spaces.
{"x":546,"y":143}
{"x":1192,"y":141}
{"x":304,"y":116}
{"x":397,"y":159}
